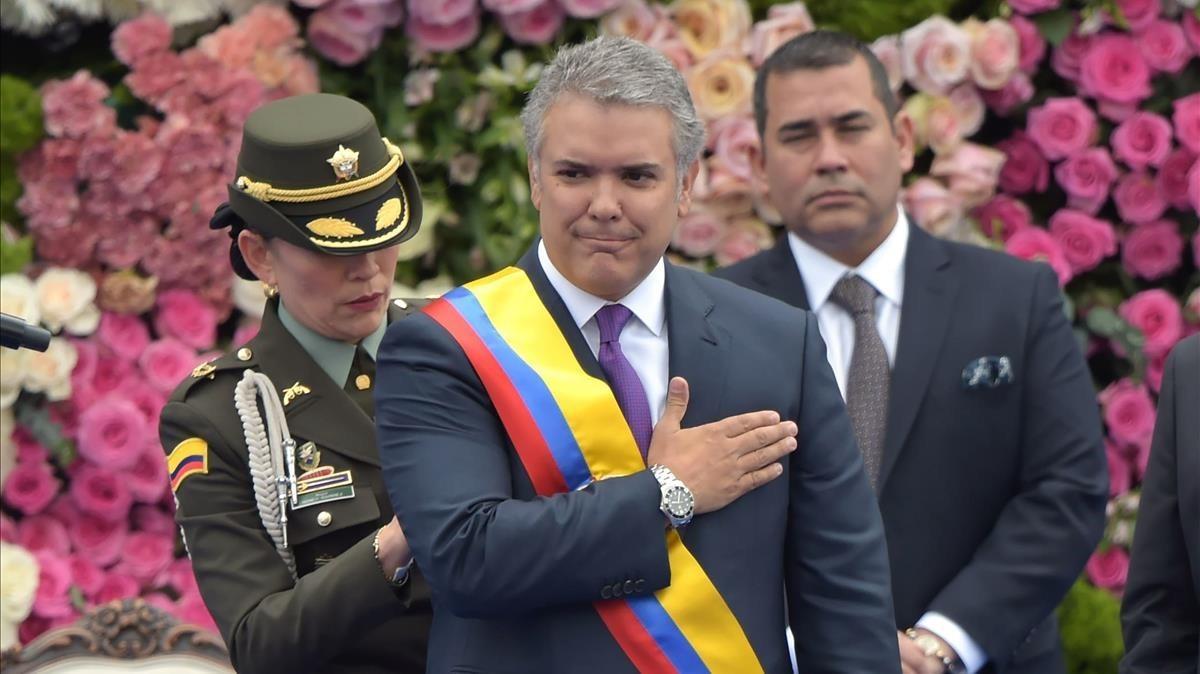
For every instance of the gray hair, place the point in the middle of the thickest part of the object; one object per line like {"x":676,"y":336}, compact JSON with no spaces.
{"x":617,"y":71}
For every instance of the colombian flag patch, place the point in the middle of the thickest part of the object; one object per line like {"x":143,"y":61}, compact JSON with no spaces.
{"x":188,"y":458}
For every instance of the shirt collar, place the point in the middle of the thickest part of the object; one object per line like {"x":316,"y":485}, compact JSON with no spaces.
{"x":333,"y":356}
{"x":883,"y":268}
{"x":645,"y":301}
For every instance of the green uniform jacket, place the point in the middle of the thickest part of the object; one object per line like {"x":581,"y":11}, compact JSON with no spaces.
{"x":342,"y":615}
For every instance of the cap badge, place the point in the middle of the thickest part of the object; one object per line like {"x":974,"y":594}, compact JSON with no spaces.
{"x":344,"y":163}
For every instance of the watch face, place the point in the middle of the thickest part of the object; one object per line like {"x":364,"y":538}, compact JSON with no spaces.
{"x":679,"y":502}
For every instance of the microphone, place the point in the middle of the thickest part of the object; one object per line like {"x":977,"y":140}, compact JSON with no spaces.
{"x":15,"y":333}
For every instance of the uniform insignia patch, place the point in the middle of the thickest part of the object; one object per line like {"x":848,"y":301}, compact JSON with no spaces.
{"x":294,"y":391}
{"x":308,"y":456}
{"x":322,"y":487}
{"x":203,"y":370}
{"x":189,"y":457}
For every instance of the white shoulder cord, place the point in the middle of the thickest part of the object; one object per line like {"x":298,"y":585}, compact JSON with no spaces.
{"x":271,"y":457}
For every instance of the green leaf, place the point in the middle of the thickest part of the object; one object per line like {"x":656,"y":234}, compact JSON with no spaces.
{"x":14,"y":255}
{"x":1104,"y":322}
{"x":32,"y":413}
{"x":20,"y":115}
{"x":1055,"y":26}
{"x":78,"y":602}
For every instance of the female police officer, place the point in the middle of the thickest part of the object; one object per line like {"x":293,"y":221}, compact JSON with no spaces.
{"x":279,"y":492}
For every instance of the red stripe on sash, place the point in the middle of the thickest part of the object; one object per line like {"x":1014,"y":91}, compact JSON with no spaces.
{"x":522,"y":430}
{"x":633,"y":638}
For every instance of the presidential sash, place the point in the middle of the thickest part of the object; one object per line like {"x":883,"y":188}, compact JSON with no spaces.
{"x":568,"y":430}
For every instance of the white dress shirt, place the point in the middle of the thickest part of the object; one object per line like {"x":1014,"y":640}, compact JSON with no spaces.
{"x":644,"y":338}
{"x":884,"y":270}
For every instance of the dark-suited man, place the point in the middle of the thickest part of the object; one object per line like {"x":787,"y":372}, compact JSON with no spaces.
{"x":969,"y":397}
{"x":516,"y":419}
{"x":1161,"y":608}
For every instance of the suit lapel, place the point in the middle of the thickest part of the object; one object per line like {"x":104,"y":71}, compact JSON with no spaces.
{"x":532,"y":267}
{"x":325,"y":414}
{"x":929,"y":295}
{"x":778,"y":276}
{"x":697,"y":348}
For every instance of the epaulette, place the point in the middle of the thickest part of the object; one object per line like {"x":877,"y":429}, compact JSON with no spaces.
{"x":238,"y":359}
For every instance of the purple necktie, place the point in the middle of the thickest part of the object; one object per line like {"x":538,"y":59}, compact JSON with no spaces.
{"x":621,"y":376}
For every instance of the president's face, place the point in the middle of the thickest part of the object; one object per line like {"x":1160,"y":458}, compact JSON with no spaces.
{"x":607,"y":191}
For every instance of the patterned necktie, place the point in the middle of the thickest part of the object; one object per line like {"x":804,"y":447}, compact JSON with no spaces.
{"x":360,"y":384}
{"x":621,"y":376}
{"x":870,"y":374}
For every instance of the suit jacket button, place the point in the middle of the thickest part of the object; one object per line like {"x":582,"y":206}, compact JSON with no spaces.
{"x":324,"y":518}
{"x":606,"y":592}
{"x":628,"y":588}
{"x":639,"y":586}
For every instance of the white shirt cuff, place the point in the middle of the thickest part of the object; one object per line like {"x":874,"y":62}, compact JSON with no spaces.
{"x":972,"y":656}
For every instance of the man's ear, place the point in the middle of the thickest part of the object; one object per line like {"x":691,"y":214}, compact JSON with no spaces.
{"x":535,"y":182}
{"x":685,"y":188}
{"x":902,"y":126}
{"x":253,"y":248}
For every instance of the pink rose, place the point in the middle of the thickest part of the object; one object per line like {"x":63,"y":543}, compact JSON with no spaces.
{"x":1191,"y":30}
{"x":335,"y":42}
{"x":126,"y":335}
{"x":443,"y":38}
{"x":116,"y":586}
{"x":1164,"y":46}
{"x":936,"y":54}
{"x":971,"y":172}
{"x":1138,"y":198}
{"x":743,"y":238}
{"x":1016,"y":93}
{"x":968,"y":104}
{"x":145,"y":37}
{"x":96,"y":538}
{"x":246,"y":332}
{"x":1173,"y":177}
{"x":1109,"y":569}
{"x":1003,"y":216}
{"x":146,"y":555}
{"x":1033,"y":6}
{"x":112,"y":433}
{"x":85,"y":575}
{"x":441,"y":12}
{"x":1139,"y":14}
{"x":1061,"y":126}
{"x":1157,"y":314}
{"x":1154,"y":376}
{"x":101,"y":492}
{"x":536,"y":26}
{"x":1033,"y":45}
{"x":1128,"y":411}
{"x":75,"y":107}
{"x":182,"y":578}
{"x":1153,"y":250}
{"x":1025,"y":169}
{"x":1113,"y":69}
{"x":734,"y":140}
{"x":995,"y":52}
{"x":28,"y":448}
{"x":588,"y":9}
{"x":30,"y":487}
{"x":1187,"y":122}
{"x":192,"y":611}
{"x":1067,"y":59}
{"x":783,"y":23}
{"x":1034,"y":243}
{"x":166,"y":363}
{"x":53,"y":598}
{"x":186,"y":317}
{"x":1120,"y":472}
{"x":8,"y":529}
{"x":147,"y":478}
{"x":932,"y":205}
{"x":38,"y":533}
{"x":1086,"y":177}
{"x":1085,"y":240}
{"x":698,"y":233}
{"x":887,"y":50}
{"x":1143,"y":139}
{"x":153,"y":519}
{"x":1193,"y":178}
{"x":510,"y":6}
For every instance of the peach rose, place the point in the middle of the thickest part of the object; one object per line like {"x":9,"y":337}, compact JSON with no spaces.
{"x":710,"y":25}
{"x":937,"y":123}
{"x":970,"y":107}
{"x":49,"y":372}
{"x":934,"y":207}
{"x":746,"y":236}
{"x":698,"y":233}
{"x":633,"y":19}
{"x":937,"y":54}
{"x":65,"y":297}
{"x":971,"y":172}
{"x":783,"y":23}
{"x":995,"y":52}
{"x":887,"y":50}
{"x":19,"y":298}
{"x":721,"y":85}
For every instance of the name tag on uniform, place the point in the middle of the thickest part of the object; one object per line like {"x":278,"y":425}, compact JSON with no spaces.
{"x":322,"y":486}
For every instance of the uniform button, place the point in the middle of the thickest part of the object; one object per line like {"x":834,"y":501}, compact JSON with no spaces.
{"x":244,"y":354}
{"x":362,"y":382}
{"x":628,"y":588}
{"x":606,"y":592}
{"x":324,"y":518}
{"x":639,"y":585}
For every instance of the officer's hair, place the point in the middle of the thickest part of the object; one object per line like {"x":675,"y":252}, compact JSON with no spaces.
{"x":617,"y":71}
{"x":818,"y":50}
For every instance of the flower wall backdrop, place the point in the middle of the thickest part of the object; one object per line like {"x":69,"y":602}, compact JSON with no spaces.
{"x":1063,"y":131}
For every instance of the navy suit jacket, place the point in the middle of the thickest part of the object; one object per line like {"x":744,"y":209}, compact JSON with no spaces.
{"x":992,"y":498}
{"x":514,"y":575}
{"x":1161,"y":608}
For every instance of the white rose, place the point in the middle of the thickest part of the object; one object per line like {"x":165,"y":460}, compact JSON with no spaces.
{"x":8,"y":448}
{"x":18,"y":586}
{"x":13,"y":366}
{"x":18,"y":298}
{"x":50,"y":372}
{"x":248,"y":296}
{"x":64,"y":294}
{"x":936,"y":54}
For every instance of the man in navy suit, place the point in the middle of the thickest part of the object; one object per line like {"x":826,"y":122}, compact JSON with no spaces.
{"x":1160,"y":611}
{"x":969,"y":396}
{"x":749,"y":437}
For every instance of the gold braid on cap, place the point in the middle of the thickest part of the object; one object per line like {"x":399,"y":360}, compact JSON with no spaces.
{"x":264,"y":191}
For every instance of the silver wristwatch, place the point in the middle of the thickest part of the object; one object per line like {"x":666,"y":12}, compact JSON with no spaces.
{"x":677,"y":503}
